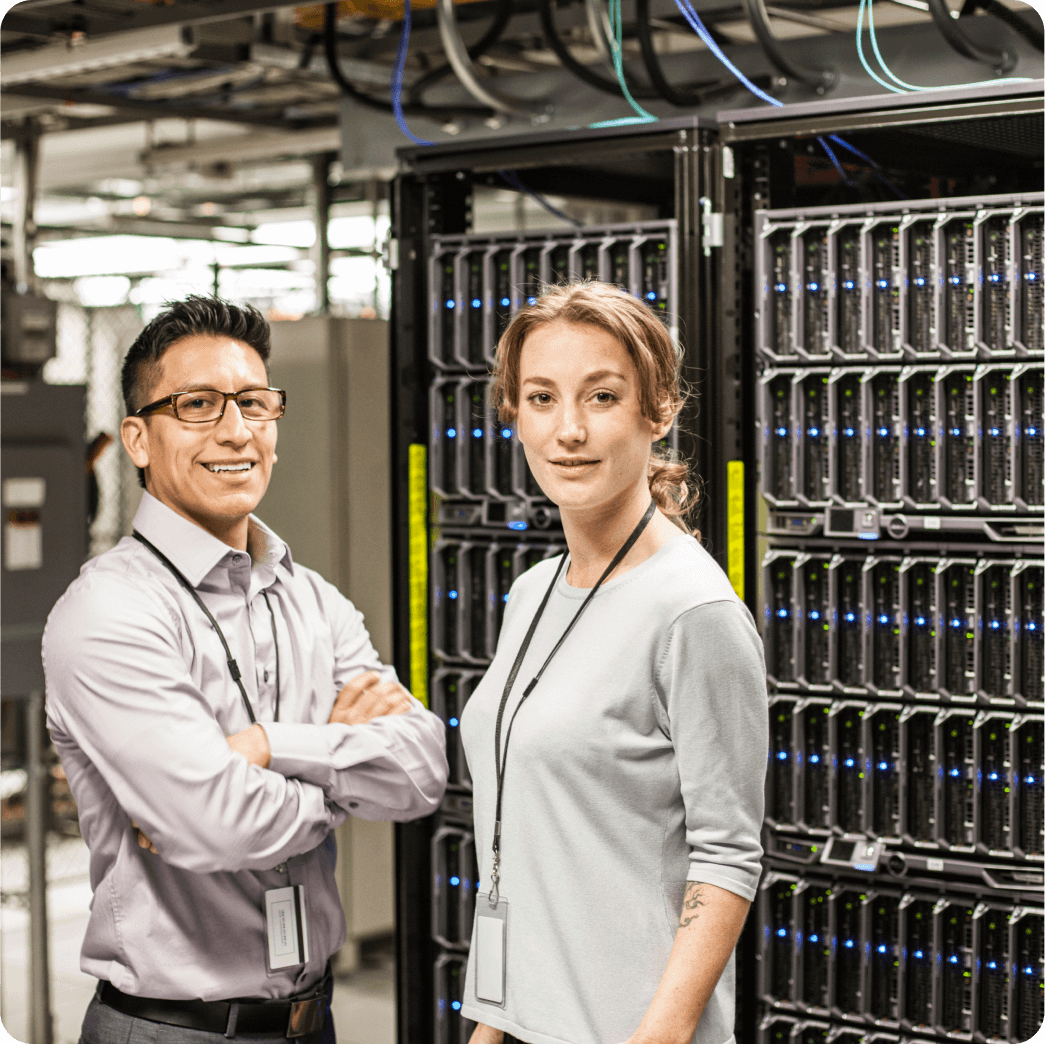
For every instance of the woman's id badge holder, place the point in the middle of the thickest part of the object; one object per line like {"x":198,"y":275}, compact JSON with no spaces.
{"x":491,"y":946}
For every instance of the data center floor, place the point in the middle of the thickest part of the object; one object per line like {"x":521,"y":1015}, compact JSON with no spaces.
{"x":364,"y":1003}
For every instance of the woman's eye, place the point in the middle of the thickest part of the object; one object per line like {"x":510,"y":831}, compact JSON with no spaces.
{"x":541,"y":398}
{"x":605,"y":396}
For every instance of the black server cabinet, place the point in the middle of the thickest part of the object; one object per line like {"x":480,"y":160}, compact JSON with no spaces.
{"x":468,"y":518}
{"x":898,"y":417}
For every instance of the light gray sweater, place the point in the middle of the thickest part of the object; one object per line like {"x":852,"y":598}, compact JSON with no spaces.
{"x":637,"y":764}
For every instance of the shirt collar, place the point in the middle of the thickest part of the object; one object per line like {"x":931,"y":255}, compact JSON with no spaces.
{"x":195,"y":551}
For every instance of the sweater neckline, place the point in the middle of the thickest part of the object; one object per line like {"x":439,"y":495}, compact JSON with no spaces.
{"x":578,"y":593}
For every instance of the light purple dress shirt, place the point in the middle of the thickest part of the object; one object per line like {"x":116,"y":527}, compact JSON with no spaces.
{"x":139,"y":702}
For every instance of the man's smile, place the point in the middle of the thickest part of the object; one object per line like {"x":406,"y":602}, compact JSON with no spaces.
{"x":239,"y":465}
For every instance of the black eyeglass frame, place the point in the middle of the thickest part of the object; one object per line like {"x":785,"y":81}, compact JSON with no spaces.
{"x":170,"y":400}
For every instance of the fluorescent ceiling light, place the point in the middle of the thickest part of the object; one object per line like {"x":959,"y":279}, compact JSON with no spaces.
{"x":57,"y":60}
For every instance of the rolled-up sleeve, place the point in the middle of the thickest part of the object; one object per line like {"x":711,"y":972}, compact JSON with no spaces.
{"x":119,"y":689}
{"x":392,"y":768}
{"x":712,"y":685}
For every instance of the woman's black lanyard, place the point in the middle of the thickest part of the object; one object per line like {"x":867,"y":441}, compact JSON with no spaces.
{"x":229,"y":659}
{"x":501,"y":760}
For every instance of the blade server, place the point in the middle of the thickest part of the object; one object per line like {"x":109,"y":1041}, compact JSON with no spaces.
{"x":491,"y":520}
{"x":899,"y":427}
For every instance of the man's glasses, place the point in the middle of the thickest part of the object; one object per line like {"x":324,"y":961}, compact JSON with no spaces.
{"x":206,"y":404}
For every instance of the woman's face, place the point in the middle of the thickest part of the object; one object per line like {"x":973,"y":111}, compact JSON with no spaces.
{"x":580,"y":422}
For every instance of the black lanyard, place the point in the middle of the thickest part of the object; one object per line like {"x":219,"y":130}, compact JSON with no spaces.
{"x":501,"y":760}
{"x":229,"y":659}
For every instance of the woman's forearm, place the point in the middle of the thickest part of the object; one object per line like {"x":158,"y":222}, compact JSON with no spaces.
{"x":709,"y":926}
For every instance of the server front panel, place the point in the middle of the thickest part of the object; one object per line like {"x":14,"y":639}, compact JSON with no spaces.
{"x":899,"y":420}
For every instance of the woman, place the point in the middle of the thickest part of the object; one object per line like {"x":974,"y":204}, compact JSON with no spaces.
{"x":627,"y":850}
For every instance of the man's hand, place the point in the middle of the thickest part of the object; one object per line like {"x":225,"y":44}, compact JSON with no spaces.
{"x":253,"y":744}
{"x":143,"y":840}
{"x":483,"y":1034}
{"x":367,"y":697}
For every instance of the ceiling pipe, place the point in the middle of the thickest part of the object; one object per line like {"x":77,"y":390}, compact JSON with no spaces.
{"x":999,"y":59}
{"x":758,"y":16}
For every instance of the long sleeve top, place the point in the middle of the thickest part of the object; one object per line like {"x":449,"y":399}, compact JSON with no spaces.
{"x":139,"y":702}
{"x":636,"y":764}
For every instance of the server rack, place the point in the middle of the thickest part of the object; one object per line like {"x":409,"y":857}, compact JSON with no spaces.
{"x":897,"y":327}
{"x":469,"y":517}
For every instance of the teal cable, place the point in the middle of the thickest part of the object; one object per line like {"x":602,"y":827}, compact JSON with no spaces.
{"x":643,"y":116}
{"x":888,"y":72}
{"x":860,"y":52}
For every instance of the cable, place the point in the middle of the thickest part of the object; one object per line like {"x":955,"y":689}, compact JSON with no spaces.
{"x":758,"y":18}
{"x":616,"y":43}
{"x":902,"y":87}
{"x":562,"y":52}
{"x":486,"y":41}
{"x":694,"y":95}
{"x":379,"y":105}
{"x":397,"y":77}
{"x":834,"y":159}
{"x":1010,"y":18}
{"x":513,"y":179}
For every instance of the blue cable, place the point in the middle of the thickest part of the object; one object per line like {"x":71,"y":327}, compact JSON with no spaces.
{"x":513,"y":179}
{"x":699,"y":28}
{"x":642,"y":116}
{"x":834,"y":159}
{"x":397,"y":78}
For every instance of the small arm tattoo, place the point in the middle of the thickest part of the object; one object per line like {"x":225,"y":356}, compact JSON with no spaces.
{"x":691,"y":902}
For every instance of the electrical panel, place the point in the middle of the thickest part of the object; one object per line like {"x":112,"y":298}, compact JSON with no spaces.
{"x":899,"y":433}
{"x":490,"y":522}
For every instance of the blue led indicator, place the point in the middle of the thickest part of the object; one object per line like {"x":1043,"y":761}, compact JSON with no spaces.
{"x":781,"y":755}
{"x":920,"y":621}
{"x":995,"y":431}
{"x":814,"y":938}
{"x":995,"y":624}
{"x":1028,"y":970}
{"x":781,"y":287}
{"x":956,"y":280}
{"x":455,"y":881}
{"x":920,"y":281}
{"x":993,"y":775}
{"x":531,"y":300}
{"x":651,"y":296}
{"x":477,"y":433}
{"x":814,"y":432}
{"x":505,"y":302}
{"x":994,"y":277}
{"x":883,"y":284}
{"x":883,"y":619}
{"x":849,"y":762}
{"x":1032,"y":626}
{"x":452,"y":595}
{"x":814,"y":759}
{"x":814,"y":286}
{"x":953,"y":958}
{"x":450,"y":303}
{"x":1031,"y":277}
{"x":451,"y":433}
{"x":956,"y":772}
{"x":849,"y":944}
{"x":850,"y":617}
{"x":956,"y":431}
{"x":453,"y":723}
{"x":517,"y":525}
{"x":918,"y":953}
{"x":781,"y":612}
{"x":1030,"y":779}
{"x":506,"y":598}
{"x":476,"y":303}
{"x":456,"y":1005}
{"x":992,"y":964}
{"x":814,"y":614}
{"x":781,"y":432}
{"x":956,"y":623}
{"x":881,"y":949}
{"x":919,"y":431}
{"x":848,"y":284}
{"x":781,"y":932}
{"x":883,"y":765}
{"x":1032,"y":431}
{"x":883,"y":432}
{"x":506,"y":433}
{"x":850,"y":432}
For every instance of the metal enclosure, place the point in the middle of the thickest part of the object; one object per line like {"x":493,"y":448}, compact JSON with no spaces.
{"x":45,"y":518}
{"x":897,"y":326}
{"x":468,"y":517}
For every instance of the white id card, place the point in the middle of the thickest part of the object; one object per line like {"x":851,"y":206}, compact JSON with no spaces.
{"x":491,"y":947}
{"x":287,"y":930}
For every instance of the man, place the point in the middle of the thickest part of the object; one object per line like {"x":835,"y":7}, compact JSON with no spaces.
{"x":218,"y":710}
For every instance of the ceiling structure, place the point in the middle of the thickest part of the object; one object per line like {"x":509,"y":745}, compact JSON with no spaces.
{"x":198,"y":118}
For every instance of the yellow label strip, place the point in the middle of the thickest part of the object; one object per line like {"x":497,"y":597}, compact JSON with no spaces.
{"x":735,"y":524}
{"x":417,"y":509}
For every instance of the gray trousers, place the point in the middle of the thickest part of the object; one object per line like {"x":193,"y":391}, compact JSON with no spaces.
{"x":105,"y":1025}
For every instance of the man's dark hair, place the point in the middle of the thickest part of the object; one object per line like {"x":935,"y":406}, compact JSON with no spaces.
{"x":189,"y":318}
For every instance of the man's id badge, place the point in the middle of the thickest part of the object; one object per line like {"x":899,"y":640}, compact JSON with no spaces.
{"x":287,"y":931}
{"x":491,"y":947}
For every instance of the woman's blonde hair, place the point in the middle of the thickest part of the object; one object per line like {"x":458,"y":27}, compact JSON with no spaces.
{"x":658,"y":361}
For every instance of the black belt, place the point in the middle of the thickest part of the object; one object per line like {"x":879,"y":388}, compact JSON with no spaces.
{"x":296,"y":1017}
